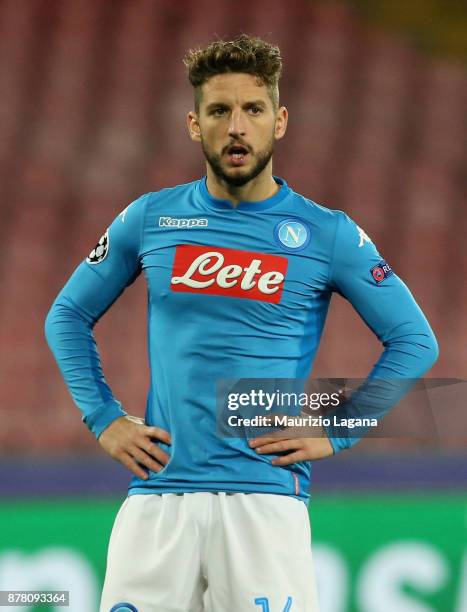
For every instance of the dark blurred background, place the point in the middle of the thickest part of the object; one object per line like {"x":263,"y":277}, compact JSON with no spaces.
{"x":93,"y":96}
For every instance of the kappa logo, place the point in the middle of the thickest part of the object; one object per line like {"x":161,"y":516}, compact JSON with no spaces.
{"x":292,"y":234}
{"x":177,"y":223}
{"x":99,"y":252}
{"x":363,"y":237}
{"x":228,"y":272}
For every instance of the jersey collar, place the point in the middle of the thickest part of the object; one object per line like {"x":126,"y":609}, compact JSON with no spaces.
{"x":220,"y":204}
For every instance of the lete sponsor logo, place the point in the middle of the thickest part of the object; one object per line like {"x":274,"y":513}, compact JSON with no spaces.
{"x":228,"y":272}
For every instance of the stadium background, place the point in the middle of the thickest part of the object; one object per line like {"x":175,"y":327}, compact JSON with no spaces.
{"x":92,"y":104}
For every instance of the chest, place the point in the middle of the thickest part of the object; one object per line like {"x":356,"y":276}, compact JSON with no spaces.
{"x":244,"y":261}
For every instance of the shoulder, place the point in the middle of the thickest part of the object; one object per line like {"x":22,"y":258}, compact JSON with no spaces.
{"x":168,"y":194}
{"x":333,"y":220}
{"x":313,"y":211}
{"x":334,"y":229}
{"x":327,"y":220}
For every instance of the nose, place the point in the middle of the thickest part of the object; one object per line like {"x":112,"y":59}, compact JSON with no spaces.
{"x":237,"y":124}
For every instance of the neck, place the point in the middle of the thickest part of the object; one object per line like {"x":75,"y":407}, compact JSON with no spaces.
{"x":260,"y":188}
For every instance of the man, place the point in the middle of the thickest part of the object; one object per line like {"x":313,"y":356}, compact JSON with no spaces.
{"x":240,"y":271}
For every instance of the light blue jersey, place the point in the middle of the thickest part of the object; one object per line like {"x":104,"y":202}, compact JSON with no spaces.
{"x":233,"y":292}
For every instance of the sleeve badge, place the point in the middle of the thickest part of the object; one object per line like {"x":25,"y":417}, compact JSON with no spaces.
{"x":381,"y":271}
{"x":99,"y":252}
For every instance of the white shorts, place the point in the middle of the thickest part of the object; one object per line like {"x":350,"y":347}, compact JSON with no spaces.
{"x":210,"y":552}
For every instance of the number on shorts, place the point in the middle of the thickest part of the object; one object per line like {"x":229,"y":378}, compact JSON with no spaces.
{"x":264,"y":603}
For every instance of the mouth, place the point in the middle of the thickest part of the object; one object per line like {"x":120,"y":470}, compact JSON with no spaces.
{"x":237,"y":154}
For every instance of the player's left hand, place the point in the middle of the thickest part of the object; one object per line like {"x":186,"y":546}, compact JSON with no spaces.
{"x":301,"y":449}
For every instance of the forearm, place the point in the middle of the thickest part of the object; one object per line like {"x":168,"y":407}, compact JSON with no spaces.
{"x":403,"y":361}
{"x":71,"y":340}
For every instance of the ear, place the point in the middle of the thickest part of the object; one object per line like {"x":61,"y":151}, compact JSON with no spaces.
{"x":193,"y":126}
{"x":280,"y":126}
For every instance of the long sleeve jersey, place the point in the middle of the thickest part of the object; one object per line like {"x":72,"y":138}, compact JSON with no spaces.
{"x":233,"y":292}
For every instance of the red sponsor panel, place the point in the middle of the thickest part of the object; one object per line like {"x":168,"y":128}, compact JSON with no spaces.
{"x":229,"y":272}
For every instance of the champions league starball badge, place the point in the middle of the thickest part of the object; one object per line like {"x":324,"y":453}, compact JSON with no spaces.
{"x":99,"y":252}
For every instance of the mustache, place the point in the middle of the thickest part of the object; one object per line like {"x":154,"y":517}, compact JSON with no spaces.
{"x":236,"y":143}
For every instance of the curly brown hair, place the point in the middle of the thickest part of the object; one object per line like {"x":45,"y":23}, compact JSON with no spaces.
{"x":248,"y":54}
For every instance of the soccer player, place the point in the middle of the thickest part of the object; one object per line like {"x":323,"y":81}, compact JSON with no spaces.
{"x":240,"y":270}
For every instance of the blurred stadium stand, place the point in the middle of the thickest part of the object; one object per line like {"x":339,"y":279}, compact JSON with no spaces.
{"x":92,"y":105}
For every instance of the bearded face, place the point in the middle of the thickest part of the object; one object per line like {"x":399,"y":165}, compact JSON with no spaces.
{"x":237,"y":127}
{"x":237,"y":164}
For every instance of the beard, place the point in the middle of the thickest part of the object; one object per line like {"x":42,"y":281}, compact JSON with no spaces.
{"x":238,"y":180}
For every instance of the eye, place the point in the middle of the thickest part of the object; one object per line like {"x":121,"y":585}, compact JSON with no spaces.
{"x":218,"y":112}
{"x":255,"y":110}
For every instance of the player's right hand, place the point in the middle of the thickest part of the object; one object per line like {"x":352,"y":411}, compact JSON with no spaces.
{"x":129,"y":440}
